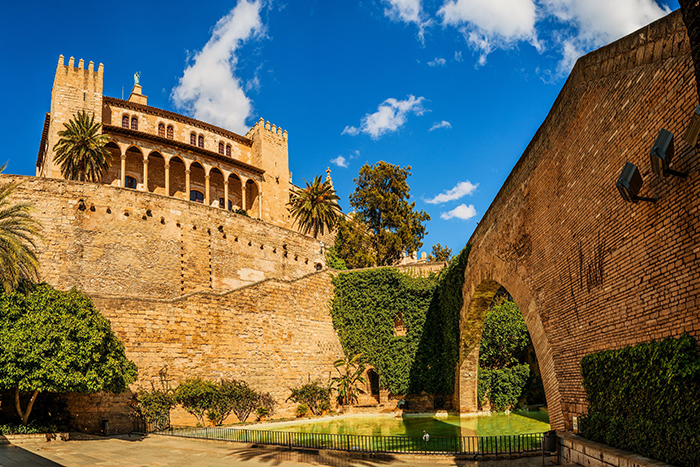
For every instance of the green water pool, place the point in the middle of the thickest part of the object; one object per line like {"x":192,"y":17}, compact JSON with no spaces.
{"x":499,"y":424}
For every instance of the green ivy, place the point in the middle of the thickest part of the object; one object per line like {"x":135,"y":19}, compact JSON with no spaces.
{"x":646,"y":399}
{"x":503,"y":386}
{"x":365,"y":306}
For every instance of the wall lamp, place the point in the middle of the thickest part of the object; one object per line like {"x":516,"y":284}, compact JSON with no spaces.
{"x":661,"y":155}
{"x":629,"y":183}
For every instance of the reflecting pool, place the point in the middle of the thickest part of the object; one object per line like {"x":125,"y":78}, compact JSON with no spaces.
{"x":499,"y":424}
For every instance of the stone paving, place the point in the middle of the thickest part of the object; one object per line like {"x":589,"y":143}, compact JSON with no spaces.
{"x":160,"y":451}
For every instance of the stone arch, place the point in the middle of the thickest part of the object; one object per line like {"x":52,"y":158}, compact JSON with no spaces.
{"x":252,"y":198}
{"x":113,"y":174}
{"x":235,"y":191}
{"x":177,"y":174}
{"x":483,"y":278}
{"x":134,"y":166}
{"x":373,"y":384}
{"x":197,"y":178}
{"x":156,"y":173}
{"x":216,"y":188}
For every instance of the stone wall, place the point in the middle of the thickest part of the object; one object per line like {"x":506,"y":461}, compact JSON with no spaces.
{"x":275,"y":335}
{"x":588,"y":270}
{"x":580,"y":451}
{"x":110,"y":240}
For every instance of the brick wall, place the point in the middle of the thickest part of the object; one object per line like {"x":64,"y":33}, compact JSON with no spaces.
{"x":589,"y":271}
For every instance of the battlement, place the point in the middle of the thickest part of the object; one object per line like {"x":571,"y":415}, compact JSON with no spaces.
{"x":81,"y":65}
{"x":271,"y":129}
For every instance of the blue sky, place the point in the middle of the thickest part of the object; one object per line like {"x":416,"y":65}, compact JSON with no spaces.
{"x":454,"y":88}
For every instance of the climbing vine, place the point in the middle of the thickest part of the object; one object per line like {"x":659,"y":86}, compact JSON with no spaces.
{"x":369,"y":306}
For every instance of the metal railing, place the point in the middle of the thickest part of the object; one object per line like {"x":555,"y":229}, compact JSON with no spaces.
{"x":512,"y":446}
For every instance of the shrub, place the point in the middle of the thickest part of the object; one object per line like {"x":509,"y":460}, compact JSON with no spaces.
{"x":261,"y":412}
{"x":197,"y":396}
{"x":644,"y":399}
{"x":502,"y":387}
{"x":31,"y":428}
{"x":235,"y":396}
{"x":302,"y":410}
{"x":310,"y":395}
{"x":154,"y":408}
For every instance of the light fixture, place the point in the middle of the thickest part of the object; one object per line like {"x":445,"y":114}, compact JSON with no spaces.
{"x":693,"y":131}
{"x":662,"y":153}
{"x":629,"y":183}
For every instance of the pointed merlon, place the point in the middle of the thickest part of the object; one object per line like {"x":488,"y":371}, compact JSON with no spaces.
{"x":71,"y":62}
{"x":81,"y":64}
{"x":60,"y":60}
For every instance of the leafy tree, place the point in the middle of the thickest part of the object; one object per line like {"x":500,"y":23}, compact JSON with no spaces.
{"x":81,"y":150}
{"x":346,"y":381}
{"x":19,"y":232}
{"x":53,"y":341}
{"x":502,"y":387}
{"x":505,"y":336}
{"x":154,"y":407}
{"x":311,"y":395}
{"x":237,"y":397}
{"x":440,"y":253}
{"x":334,"y":261}
{"x":197,"y":396}
{"x":353,"y":244}
{"x":315,"y":207}
{"x":381,"y":199}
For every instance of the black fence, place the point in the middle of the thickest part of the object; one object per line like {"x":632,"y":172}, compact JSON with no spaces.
{"x":512,"y":446}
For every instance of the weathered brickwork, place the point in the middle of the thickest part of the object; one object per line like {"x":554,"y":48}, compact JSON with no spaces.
{"x":589,"y":271}
{"x":111,"y":240}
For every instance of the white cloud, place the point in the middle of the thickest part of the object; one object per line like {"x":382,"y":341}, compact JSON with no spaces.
{"x":442,"y":124}
{"x":409,"y":12}
{"x":389,"y":117}
{"x":488,"y":25}
{"x":437,"y":62}
{"x":340,"y":161}
{"x":462,"y":211}
{"x":458,"y":56}
{"x":460,"y":190}
{"x":208,"y":88}
{"x":595,"y":23}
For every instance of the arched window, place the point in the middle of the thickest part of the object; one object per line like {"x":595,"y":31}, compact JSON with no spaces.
{"x":221,"y":148}
{"x":161,"y":130}
{"x":125,"y":121}
{"x":196,"y":196}
{"x":170,"y":132}
{"x":129,"y":182}
{"x":134,"y":123}
{"x":201,"y":141}
{"x":193,"y":139}
{"x":228,"y":150}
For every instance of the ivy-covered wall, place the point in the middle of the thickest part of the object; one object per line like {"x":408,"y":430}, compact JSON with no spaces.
{"x":366,"y":305}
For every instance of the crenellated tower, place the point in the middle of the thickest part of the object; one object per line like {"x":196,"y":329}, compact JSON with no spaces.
{"x":270,"y":152}
{"x":74,"y":89}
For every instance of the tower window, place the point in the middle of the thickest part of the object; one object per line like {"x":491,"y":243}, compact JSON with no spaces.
{"x":201,"y":141}
{"x":161,"y":130}
{"x":125,"y":121}
{"x":134,"y":123}
{"x":170,"y":132}
{"x":193,"y":139}
{"x":228,"y":150}
{"x":221,"y":148}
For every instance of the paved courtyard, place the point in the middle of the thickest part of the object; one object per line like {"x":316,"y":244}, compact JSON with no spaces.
{"x":160,"y":451}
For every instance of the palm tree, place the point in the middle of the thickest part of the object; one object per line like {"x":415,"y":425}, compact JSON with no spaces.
{"x":315,"y":207}
{"x":347,"y":380}
{"x":18,"y":234}
{"x":81,"y":151}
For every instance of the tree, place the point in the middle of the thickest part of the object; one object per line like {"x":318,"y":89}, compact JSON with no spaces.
{"x":346,"y":381}
{"x":311,"y":394}
{"x":440,"y":253}
{"x":505,"y":336}
{"x":19,"y":232}
{"x":315,"y":207}
{"x":197,"y":396}
{"x":236,"y":397}
{"x":81,"y":150}
{"x":381,"y":199}
{"x":353,"y":244}
{"x":53,"y":341}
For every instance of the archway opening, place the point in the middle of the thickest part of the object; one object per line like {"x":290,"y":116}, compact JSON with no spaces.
{"x":251,"y":198}
{"x":156,"y":173}
{"x":216,"y":188}
{"x":235,"y":192}
{"x":134,"y":166}
{"x":373,"y":380}
{"x":197,"y":182}
{"x":176,"y":173}
{"x":112,"y":175}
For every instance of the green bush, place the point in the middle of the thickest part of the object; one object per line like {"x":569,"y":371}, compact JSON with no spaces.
{"x":645,"y":399}
{"x":502,"y":387}
{"x":302,"y":410}
{"x":334,"y":261}
{"x":234,"y":396}
{"x":310,"y":395}
{"x":154,"y":407}
{"x":31,"y":428}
